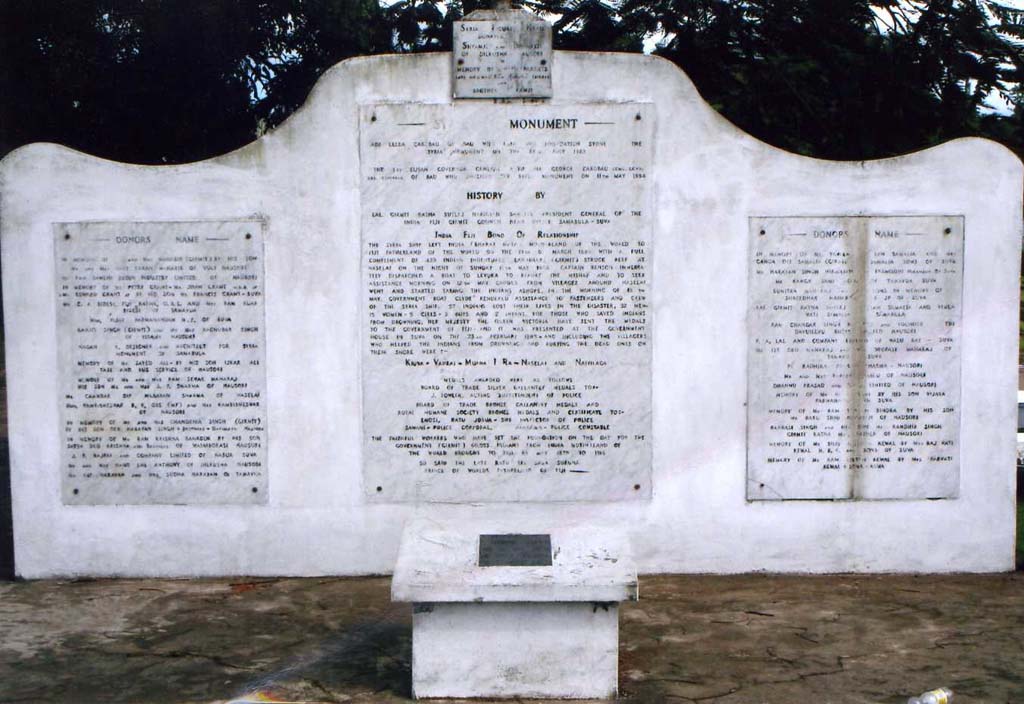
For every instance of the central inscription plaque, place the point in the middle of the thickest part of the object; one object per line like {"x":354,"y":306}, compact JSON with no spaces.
{"x":506,"y":301}
{"x":515,"y":550}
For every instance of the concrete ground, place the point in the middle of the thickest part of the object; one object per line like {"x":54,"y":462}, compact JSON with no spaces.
{"x":727,"y":640}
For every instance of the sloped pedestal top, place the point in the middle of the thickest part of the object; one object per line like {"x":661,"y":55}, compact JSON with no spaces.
{"x":439,"y":563}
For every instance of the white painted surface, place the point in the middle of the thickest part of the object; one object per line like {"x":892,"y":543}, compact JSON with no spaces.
{"x":438,"y":563}
{"x":710,"y":179}
{"x":567,"y":650}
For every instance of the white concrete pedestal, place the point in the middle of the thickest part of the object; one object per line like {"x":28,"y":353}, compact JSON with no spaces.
{"x":511,"y":631}
{"x":515,"y":649}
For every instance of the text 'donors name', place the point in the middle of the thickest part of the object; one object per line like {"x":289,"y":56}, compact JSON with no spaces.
{"x":854,"y":357}
{"x":161,"y":344}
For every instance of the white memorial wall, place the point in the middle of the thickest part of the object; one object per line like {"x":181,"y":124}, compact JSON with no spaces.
{"x":608,"y":306}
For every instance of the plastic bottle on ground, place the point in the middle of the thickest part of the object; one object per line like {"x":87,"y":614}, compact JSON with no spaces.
{"x":935,"y":696}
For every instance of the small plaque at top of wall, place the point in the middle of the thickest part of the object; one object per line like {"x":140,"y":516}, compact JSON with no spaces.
{"x":515,"y":550}
{"x":501,"y":54}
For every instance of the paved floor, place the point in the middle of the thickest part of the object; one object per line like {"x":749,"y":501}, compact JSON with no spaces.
{"x":726,"y":640}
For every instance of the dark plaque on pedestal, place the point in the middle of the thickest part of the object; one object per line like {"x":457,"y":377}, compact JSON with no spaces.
{"x":515,"y":550}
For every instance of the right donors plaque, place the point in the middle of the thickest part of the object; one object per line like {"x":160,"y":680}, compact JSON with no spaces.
{"x":854,"y":357}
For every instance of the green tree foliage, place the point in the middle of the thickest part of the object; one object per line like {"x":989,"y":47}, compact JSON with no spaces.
{"x":169,"y":81}
{"x":840,"y":79}
{"x":164,"y":80}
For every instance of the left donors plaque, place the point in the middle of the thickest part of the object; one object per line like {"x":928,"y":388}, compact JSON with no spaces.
{"x":161,"y":358}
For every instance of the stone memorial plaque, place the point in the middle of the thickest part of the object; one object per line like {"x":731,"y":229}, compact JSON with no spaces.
{"x":501,"y":54}
{"x":515,"y":550}
{"x":506,"y":301}
{"x":161,"y":359}
{"x":854,"y":358}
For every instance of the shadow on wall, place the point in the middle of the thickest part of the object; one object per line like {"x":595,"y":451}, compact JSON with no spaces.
{"x":1020,"y":435}
{"x":1020,"y":523}
{"x":6,"y":519}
